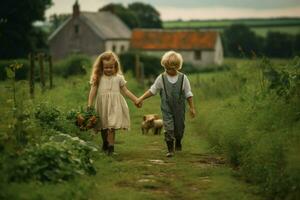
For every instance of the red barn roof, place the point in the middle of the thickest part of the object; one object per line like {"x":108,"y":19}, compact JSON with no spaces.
{"x":170,"y":39}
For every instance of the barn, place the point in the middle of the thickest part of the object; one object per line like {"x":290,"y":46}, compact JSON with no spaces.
{"x":201,"y":48}
{"x":89,"y":33}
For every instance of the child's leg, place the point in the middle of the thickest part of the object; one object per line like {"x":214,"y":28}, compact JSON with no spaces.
{"x":111,"y":136}
{"x":169,"y":138}
{"x":104,"y":134}
{"x":111,"y":141}
{"x":178,"y":131}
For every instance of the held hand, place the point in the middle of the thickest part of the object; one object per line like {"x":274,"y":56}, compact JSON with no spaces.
{"x":138,"y":103}
{"x":192,"y":112}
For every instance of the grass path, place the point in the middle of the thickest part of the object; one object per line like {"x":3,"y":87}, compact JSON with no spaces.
{"x":140,"y":170}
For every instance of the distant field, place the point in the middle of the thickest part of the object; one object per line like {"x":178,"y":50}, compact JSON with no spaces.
{"x":260,"y":26}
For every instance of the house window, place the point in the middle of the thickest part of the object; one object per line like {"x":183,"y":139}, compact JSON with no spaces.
{"x":76,"y":29}
{"x":122,"y":48}
{"x":114,"y":48}
{"x":198,"y":55}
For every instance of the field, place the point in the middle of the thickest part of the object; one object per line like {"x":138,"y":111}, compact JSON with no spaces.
{"x":260,"y":26}
{"x":206,"y":168}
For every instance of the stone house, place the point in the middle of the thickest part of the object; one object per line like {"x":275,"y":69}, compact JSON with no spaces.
{"x":201,"y":48}
{"x":89,"y":33}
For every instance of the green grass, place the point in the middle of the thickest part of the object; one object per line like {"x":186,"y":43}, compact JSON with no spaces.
{"x":224,"y":23}
{"x":140,"y":169}
{"x":260,"y":27}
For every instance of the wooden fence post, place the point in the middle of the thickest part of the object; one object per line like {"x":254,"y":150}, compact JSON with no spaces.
{"x":50,"y":71}
{"x":137,"y":67}
{"x":142,"y":74}
{"x":198,"y":80}
{"x":42,"y":74}
{"x":31,"y":75}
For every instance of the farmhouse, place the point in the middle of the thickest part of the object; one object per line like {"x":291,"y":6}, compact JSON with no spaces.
{"x":89,"y":33}
{"x":197,"y":47}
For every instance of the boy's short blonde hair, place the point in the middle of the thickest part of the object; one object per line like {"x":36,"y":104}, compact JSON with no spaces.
{"x":172,"y":60}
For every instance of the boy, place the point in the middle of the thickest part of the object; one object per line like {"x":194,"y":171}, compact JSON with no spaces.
{"x":173,"y":87}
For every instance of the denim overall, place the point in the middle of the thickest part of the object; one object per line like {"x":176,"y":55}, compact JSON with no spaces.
{"x":173,"y":108}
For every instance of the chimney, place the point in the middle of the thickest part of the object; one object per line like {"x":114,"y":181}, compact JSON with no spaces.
{"x":76,"y":10}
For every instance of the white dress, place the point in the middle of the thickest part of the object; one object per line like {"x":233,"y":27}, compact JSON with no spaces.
{"x":110,"y":104}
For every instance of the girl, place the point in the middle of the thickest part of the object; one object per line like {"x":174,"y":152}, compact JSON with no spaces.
{"x":107,"y":83}
{"x":174,"y":87}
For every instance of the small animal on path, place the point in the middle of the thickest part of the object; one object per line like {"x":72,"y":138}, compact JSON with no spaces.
{"x":152,"y":121}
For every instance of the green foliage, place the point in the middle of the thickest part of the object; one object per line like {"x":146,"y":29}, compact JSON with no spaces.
{"x":147,"y":15}
{"x":47,"y":114}
{"x":18,"y":36}
{"x":57,"y":19}
{"x":279,"y":45}
{"x":84,"y":119}
{"x":61,"y":158}
{"x":268,"y":23}
{"x":21,"y":73}
{"x":127,"y":16}
{"x":256,"y":126}
{"x":136,"y":15}
{"x":240,"y":41}
{"x":73,"y":65}
{"x":17,"y":108}
{"x":151,"y":64}
{"x":50,"y":117}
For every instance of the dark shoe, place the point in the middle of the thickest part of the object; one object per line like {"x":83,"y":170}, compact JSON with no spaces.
{"x":178,"y":146}
{"x":110,"y":150}
{"x":170,"y":145}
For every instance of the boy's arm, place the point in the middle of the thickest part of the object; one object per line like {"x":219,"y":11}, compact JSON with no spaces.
{"x":92,"y":95}
{"x":146,"y":95}
{"x":192,"y":107}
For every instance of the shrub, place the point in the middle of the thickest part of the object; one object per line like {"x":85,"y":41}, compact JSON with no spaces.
{"x":21,"y":74}
{"x":61,"y":158}
{"x":257,"y":126}
{"x":50,"y":117}
{"x":46,"y":113}
{"x":151,"y":64}
{"x":73,"y":65}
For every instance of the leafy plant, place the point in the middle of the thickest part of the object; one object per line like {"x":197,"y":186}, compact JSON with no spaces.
{"x":49,"y":116}
{"x":19,"y":115}
{"x":61,"y":158}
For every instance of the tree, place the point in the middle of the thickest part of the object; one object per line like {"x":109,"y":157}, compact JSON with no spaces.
{"x":147,"y":15}
{"x":17,"y":33}
{"x":136,"y":15}
{"x":240,"y":41}
{"x":57,"y":19}
{"x":297,"y":45}
{"x":279,"y":45}
{"x":127,"y":16}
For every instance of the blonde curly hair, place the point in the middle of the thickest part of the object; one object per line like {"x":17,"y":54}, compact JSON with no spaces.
{"x":172,"y":60}
{"x":97,"y":70}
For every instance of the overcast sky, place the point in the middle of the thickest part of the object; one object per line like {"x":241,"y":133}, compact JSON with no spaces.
{"x":196,"y":9}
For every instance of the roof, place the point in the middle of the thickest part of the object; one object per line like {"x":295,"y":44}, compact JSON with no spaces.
{"x":159,"y":39}
{"x":105,"y":24}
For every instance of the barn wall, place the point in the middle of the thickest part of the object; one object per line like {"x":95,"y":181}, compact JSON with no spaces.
{"x":67,"y":41}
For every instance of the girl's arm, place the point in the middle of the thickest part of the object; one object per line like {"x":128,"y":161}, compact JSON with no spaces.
{"x":191,"y":105}
{"x":129,"y":94}
{"x":92,"y":94}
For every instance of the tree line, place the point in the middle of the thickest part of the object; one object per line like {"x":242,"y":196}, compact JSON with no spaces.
{"x":240,"y":41}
